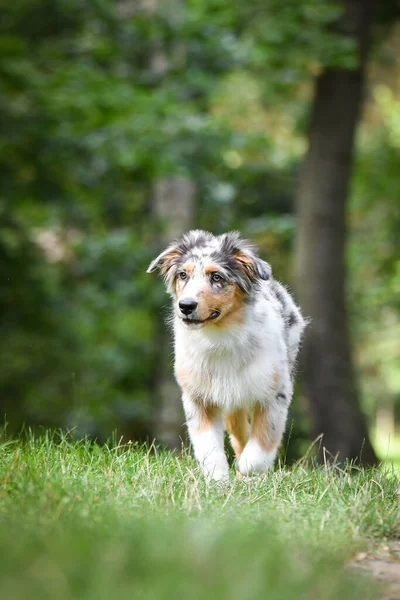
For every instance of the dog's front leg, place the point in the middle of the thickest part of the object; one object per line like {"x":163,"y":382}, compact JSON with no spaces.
{"x":268,"y":425}
{"x":206,"y":433}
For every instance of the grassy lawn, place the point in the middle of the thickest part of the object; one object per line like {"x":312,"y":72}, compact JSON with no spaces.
{"x":79,"y":521}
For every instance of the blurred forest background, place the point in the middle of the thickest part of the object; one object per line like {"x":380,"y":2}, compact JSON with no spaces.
{"x":124,"y":123}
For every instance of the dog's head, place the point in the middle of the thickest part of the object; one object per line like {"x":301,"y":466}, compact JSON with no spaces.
{"x":210,"y":277}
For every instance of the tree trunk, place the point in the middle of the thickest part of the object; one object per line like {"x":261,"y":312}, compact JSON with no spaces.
{"x":320,"y":250}
{"x":173,"y":206}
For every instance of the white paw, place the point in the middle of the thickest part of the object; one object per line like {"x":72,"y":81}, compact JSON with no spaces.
{"x":216,"y":468}
{"x":254,"y":459}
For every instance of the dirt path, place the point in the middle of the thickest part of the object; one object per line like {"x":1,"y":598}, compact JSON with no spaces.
{"x":384,"y":565}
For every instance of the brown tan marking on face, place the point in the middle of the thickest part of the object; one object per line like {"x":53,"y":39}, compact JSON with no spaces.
{"x":228,"y":300}
{"x":238,"y":426}
{"x":188,"y":267}
{"x":210,"y":300}
{"x":211,"y":268}
{"x":232,"y":313}
{"x":263,"y":431}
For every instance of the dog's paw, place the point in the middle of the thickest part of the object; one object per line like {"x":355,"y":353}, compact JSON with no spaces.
{"x":254,"y":459}
{"x":216,"y":469}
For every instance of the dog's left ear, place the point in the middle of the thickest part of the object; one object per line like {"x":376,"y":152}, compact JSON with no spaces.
{"x":247,"y":259}
{"x":254,"y":265}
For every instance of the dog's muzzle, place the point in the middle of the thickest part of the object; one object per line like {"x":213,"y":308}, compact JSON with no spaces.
{"x":190,"y":320}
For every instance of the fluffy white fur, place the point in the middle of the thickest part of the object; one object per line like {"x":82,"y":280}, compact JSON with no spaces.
{"x":243,"y":365}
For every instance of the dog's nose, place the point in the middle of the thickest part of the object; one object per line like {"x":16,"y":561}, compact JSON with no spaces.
{"x":187,"y":305}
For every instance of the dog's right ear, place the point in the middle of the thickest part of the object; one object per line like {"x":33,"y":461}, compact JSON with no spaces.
{"x":166,"y":262}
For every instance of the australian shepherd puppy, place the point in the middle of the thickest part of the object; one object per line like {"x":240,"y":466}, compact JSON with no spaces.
{"x":237,"y":335}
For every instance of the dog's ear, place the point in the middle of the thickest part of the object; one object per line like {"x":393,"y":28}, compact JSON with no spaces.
{"x":246,"y":257}
{"x":167,"y":263}
{"x":166,"y":260}
{"x":253,"y":265}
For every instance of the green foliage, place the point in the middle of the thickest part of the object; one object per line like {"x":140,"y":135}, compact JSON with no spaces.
{"x":98,"y":100}
{"x":82,"y":83}
{"x":375,"y":253}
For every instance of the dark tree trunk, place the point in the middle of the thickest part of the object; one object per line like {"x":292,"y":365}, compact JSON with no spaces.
{"x":173,"y":207}
{"x":320,"y":249}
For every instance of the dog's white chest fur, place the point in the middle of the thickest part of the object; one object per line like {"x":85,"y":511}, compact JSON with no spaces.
{"x":237,"y":366}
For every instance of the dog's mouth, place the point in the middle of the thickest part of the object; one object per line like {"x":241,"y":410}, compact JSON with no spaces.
{"x":214,"y":315}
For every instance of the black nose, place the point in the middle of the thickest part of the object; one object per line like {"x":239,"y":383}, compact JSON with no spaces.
{"x":187,"y":305}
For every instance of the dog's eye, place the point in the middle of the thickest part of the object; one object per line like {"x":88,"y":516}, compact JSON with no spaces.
{"x":182,"y":275}
{"x":216,"y":277}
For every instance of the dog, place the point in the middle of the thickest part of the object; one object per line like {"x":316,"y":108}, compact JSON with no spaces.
{"x":237,"y":334}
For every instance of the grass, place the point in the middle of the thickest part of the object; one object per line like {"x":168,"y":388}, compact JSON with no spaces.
{"x":80,"y":521}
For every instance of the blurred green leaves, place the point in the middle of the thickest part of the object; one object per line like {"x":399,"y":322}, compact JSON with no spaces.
{"x":98,"y":100}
